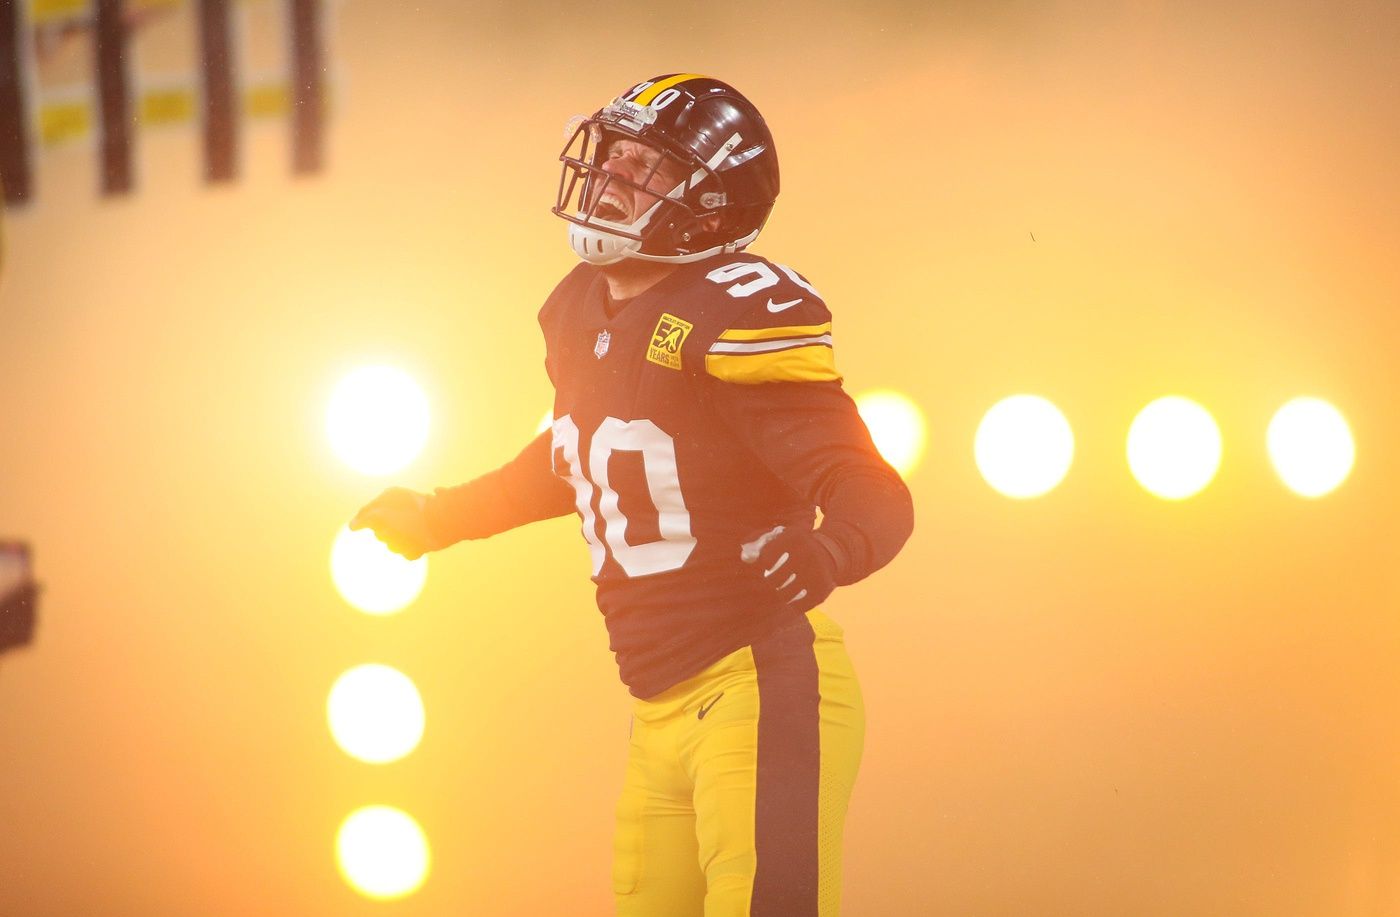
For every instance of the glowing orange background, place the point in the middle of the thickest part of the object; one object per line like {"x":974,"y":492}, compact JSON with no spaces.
{"x":1095,"y":703}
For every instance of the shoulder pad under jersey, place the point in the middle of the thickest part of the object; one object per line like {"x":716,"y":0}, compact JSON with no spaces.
{"x":777,"y":328}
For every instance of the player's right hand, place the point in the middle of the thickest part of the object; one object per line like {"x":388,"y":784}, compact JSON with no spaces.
{"x":795,"y":564}
{"x":399,"y":518}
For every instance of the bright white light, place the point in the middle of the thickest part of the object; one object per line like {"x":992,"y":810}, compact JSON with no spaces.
{"x":382,"y":853}
{"x":545,"y":423}
{"x":1311,"y":446}
{"x":896,"y":425}
{"x":1174,"y":447}
{"x":375,"y":713}
{"x":371,"y":577}
{"x":1024,"y":446}
{"x":377,"y":420}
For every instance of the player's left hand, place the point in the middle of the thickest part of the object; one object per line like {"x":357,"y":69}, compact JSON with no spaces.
{"x":794,"y":564}
{"x":399,"y":518}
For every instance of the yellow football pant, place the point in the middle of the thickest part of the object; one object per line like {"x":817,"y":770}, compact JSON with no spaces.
{"x":738,"y":781}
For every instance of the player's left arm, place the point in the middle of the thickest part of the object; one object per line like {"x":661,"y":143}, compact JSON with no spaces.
{"x":773,"y":379}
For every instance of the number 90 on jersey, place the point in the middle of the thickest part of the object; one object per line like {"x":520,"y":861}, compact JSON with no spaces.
{"x":675,"y":543}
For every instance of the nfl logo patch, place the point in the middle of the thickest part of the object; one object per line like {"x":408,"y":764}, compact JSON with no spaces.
{"x":600,"y":349}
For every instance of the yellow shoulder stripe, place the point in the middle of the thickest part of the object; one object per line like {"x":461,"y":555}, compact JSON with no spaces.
{"x":815,"y":363}
{"x":767,"y":334}
{"x":660,"y":86}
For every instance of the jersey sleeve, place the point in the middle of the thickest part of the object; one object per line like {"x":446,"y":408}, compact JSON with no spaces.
{"x":784,"y":334}
{"x":523,"y":490}
{"x":773,"y":381}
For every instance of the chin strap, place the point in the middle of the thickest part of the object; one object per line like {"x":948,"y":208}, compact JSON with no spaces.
{"x":597,"y":246}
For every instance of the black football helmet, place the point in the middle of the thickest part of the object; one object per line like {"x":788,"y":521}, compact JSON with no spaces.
{"x":710,"y":130}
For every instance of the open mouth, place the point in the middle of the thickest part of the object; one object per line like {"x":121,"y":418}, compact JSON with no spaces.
{"x":610,"y":209}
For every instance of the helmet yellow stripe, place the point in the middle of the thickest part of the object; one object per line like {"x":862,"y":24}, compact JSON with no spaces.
{"x":660,"y":86}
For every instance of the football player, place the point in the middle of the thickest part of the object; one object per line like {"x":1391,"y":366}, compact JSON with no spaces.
{"x":699,"y":424}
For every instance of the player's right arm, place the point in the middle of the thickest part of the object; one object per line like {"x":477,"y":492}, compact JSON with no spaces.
{"x":521,"y":491}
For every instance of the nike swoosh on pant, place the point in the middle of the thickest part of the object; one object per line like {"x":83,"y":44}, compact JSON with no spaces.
{"x":706,"y":708}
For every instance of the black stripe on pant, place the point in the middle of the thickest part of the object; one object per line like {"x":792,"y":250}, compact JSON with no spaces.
{"x":789,"y":770}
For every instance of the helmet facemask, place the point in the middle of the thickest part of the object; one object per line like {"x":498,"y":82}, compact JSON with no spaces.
{"x":676,"y":226}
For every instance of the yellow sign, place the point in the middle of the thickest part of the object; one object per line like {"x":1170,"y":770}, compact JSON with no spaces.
{"x":666,"y":341}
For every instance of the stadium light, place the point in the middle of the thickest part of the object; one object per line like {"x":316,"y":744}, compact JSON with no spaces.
{"x":371,"y":577}
{"x":1311,"y":446}
{"x":1024,"y":446}
{"x":1174,"y":447}
{"x":382,"y":852}
{"x":377,"y":420}
{"x":375,"y":713}
{"x":897,"y":426}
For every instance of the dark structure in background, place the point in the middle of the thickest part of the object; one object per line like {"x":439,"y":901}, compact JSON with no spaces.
{"x":114,"y":97}
{"x":14,"y":115}
{"x":19,"y":596}
{"x":308,"y":89}
{"x":114,"y":24}
{"x":220,"y":99}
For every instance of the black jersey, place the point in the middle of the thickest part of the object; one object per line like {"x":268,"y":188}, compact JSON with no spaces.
{"x":703,"y":413}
